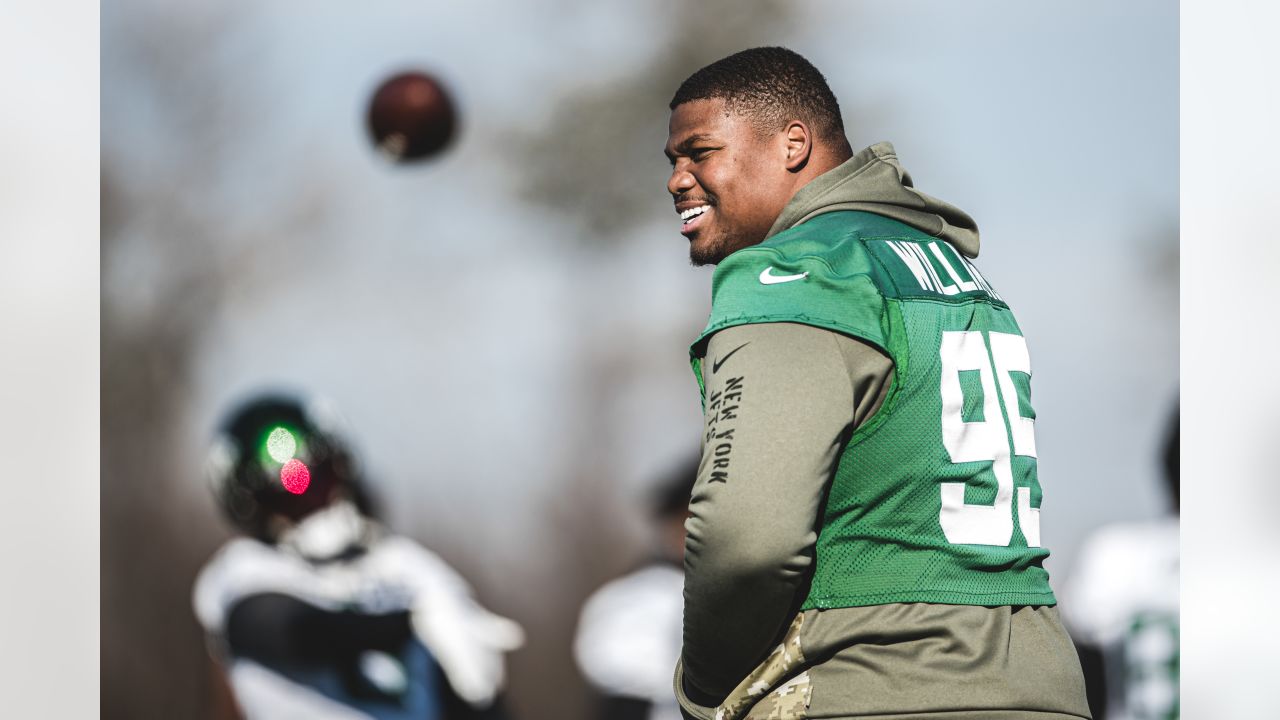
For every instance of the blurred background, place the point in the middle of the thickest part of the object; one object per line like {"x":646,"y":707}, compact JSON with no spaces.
{"x":504,"y":327}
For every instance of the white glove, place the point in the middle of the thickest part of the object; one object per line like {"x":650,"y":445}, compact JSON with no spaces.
{"x":468,"y":641}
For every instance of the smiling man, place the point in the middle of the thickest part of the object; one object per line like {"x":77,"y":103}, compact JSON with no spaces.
{"x":864,"y":534}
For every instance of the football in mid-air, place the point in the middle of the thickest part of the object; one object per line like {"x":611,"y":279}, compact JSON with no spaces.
{"x":411,"y":117}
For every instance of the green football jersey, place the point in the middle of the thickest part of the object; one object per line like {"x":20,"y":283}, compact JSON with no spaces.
{"x":935,"y":498}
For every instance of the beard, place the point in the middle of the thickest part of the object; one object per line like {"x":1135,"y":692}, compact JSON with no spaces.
{"x":717,"y":249}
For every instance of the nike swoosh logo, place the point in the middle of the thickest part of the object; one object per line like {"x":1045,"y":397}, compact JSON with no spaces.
{"x":768,"y":279}
{"x":715,"y":365}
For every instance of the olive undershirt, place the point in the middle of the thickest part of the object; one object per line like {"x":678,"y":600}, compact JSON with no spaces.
{"x":781,"y":402}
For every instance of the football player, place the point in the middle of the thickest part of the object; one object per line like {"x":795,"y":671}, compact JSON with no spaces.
{"x":318,"y":611}
{"x":629,"y":629}
{"x":1121,"y":605}
{"x":865,"y":531}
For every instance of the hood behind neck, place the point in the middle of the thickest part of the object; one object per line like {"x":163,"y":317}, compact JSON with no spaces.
{"x":874,"y":181}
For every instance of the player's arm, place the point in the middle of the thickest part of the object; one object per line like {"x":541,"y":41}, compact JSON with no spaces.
{"x":280,"y":628}
{"x":277,"y":628}
{"x":781,"y":401}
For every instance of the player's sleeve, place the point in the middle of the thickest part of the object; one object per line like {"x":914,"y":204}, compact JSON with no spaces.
{"x":468,"y":640}
{"x":781,"y":400}
{"x":280,"y":629}
{"x":239,"y":569}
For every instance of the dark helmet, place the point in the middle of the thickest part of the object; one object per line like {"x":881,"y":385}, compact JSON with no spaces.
{"x":278,"y":454}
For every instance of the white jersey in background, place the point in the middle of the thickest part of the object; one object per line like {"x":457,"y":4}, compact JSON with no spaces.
{"x":629,"y":636}
{"x":1123,"y":598}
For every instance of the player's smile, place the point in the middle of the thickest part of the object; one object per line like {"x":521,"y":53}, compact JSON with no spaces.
{"x":723,"y":180}
{"x":694,"y":214}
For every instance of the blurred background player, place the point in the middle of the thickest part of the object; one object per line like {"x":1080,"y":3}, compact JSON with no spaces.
{"x":1121,"y":606}
{"x":320,"y":612}
{"x":628,"y":635}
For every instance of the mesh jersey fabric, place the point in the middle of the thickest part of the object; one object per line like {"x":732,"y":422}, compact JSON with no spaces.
{"x":936,"y":498}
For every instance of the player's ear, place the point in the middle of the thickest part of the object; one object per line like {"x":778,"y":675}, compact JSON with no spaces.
{"x":799,"y":145}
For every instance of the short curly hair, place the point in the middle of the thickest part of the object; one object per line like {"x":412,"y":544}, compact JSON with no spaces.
{"x":769,"y":86}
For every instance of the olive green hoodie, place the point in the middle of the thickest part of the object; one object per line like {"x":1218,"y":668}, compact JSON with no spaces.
{"x":748,"y":650}
{"x":874,"y":181}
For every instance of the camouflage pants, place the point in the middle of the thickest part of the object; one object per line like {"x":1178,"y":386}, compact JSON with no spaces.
{"x":773,"y":691}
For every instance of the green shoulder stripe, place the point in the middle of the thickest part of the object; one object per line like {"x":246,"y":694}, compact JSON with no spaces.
{"x":818,"y":273}
{"x":929,"y":269}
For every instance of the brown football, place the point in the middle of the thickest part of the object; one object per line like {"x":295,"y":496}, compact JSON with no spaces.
{"x":411,"y":117}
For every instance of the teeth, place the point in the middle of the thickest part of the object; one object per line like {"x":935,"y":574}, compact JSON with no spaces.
{"x":691,"y":213}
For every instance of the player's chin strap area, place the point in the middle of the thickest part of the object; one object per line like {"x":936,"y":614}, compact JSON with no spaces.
{"x":326,"y":534}
{"x":468,"y":641}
